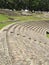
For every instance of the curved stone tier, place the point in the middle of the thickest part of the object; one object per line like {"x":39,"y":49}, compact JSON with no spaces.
{"x":24,"y":44}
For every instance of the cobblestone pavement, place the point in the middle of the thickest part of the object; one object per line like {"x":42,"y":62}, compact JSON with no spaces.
{"x":24,"y":44}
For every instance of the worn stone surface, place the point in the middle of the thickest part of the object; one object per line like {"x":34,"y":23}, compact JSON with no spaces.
{"x":24,"y":44}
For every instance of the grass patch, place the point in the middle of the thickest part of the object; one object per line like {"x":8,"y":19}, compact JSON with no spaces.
{"x":4,"y":24}
{"x":48,"y":35}
{"x":27,"y":18}
{"x":34,"y":17}
{"x":4,"y":20}
{"x":3,"y":17}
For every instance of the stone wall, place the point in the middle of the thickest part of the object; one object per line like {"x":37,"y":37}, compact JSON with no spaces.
{"x":7,"y":12}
